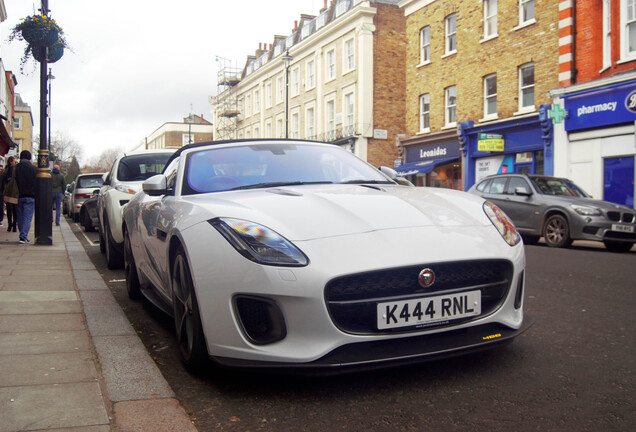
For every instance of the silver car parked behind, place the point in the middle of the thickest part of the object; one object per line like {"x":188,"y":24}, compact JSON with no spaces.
{"x":558,"y":210}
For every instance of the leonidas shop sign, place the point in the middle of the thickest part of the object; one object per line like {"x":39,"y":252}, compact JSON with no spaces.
{"x":490,"y":142}
{"x":601,"y":107}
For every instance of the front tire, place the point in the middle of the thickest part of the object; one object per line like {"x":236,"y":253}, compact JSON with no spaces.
{"x":620,"y":247}
{"x":187,"y":319}
{"x":87,"y":222}
{"x":114,"y":258}
{"x":556,"y":232}
{"x":130,"y":270}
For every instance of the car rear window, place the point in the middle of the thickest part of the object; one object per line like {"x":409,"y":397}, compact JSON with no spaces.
{"x":90,"y":181}
{"x":142,"y":166}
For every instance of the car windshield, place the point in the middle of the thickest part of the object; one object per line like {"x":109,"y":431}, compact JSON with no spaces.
{"x":269,"y":165}
{"x":558,"y":186}
{"x":142,"y":166}
{"x":89,"y":181}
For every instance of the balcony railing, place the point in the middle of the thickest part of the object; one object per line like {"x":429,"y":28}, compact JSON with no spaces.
{"x":336,"y":134}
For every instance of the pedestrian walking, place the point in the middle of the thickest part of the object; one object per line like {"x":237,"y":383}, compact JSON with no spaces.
{"x":58,"y":185}
{"x":12,"y":207}
{"x":25,"y":174}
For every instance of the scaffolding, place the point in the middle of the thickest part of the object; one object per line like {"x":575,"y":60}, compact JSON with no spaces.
{"x":228,"y":112}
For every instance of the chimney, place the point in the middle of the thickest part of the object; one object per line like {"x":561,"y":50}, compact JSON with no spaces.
{"x":260,"y":46}
{"x":295,"y":24}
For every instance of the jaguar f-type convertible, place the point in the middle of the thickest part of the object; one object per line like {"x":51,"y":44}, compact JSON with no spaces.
{"x":298,"y":255}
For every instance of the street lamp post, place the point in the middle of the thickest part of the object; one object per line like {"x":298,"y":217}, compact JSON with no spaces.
{"x":287,"y":60}
{"x":50,"y":77}
{"x":43,"y":196}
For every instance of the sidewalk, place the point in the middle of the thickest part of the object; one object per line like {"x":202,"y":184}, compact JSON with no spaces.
{"x":69,"y":359}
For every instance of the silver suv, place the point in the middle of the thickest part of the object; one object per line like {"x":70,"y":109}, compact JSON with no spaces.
{"x":558,"y":210}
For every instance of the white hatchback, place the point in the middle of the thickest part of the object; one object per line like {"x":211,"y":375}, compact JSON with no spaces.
{"x":120,"y":184}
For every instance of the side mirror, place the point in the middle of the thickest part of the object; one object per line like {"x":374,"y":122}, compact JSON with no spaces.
{"x":389,"y":172}
{"x":522,"y":191}
{"x":155,"y":185}
{"x":95,"y":192}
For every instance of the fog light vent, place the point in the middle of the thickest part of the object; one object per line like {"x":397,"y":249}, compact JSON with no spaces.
{"x":519,"y":294}
{"x":261,"y":319}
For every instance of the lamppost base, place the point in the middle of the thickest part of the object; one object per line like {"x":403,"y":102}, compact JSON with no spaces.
{"x":43,"y":208}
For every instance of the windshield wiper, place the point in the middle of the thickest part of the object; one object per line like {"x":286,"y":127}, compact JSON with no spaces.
{"x":279,"y":184}
{"x":361,"y":181}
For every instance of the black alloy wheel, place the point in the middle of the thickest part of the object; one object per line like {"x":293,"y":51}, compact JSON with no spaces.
{"x":187,"y":319}
{"x":557,"y":232}
{"x":130,"y":270}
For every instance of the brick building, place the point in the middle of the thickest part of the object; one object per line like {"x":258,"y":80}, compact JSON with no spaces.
{"x":23,"y":126}
{"x":172,"y":135}
{"x":595,"y":104}
{"x":338,"y":77}
{"x":477,"y":74}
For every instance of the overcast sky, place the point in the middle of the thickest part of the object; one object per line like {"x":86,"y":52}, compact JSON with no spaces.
{"x":136,"y":64}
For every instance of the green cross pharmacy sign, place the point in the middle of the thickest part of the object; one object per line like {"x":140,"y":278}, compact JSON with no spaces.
{"x":556,"y":113}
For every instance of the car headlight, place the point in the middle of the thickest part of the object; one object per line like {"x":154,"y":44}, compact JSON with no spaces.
{"x":125,"y":189}
{"x":586,"y":211}
{"x":259,"y":243}
{"x":503,"y":223}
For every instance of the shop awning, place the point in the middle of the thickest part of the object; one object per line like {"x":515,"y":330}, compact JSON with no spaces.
{"x":6,"y":143}
{"x":422,"y":167}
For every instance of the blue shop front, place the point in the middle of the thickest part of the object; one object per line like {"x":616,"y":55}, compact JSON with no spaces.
{"x":521,"y":144}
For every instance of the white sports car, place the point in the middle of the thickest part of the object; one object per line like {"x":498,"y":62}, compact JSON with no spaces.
{"x":293,"y":254}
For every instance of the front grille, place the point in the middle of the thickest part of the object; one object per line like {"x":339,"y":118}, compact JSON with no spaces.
{"x":352,"y":299}
{"x":624,"y":217}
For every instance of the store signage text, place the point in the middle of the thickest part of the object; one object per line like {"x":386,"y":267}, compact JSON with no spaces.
{"x":490,"y":142}
{"x":437,"y":151}
{"x":601,"y":107}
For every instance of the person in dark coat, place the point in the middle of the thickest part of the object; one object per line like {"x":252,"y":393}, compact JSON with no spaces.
{"x":12,"y":209}
{"x":1,"y":195}
{"x":58,"y":185}
{"x":25,"y":174}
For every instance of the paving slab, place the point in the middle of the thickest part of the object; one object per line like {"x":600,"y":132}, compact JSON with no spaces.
{"x":58,"y":368}
{"x":44,"y":342}
{"x":41,"y":323}
{"x":32,"y":408}
{"x":39,"y":307}
{"x":169,"y":416}
{"x":107,"y":321}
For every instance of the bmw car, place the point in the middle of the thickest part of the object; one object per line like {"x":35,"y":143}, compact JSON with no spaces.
{"x":297,"y":255}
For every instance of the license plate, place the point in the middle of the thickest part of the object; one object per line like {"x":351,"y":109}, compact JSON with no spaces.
{"x":407,"y":313}
{"x":623,"y":228}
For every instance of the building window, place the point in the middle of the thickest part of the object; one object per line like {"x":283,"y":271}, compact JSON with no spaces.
{"x":268,"y":95}
{"x":295,"y":124}
{"x":331,"y":64}
{"x":451,"y":105}
{"x":425,"y":45}
{"x":280,"y":89}
{"x":526,"y":11}
{"x":628,"y":30}
{"x":257,"y":101}
{"x":607,"y":34}
{"x":349,"y":52}
{"x":425,"y":112}
{"x":280,"y":131}
{"x":248,"y":105}
{"x":330,"y":115}
{"x":451,"y":33}
{"x":17,"y":123}
{"x":257,"y":132}
{"x":490,"y":18}
{"x":311,"y":123}
{"x":526,"y":87}
{"x":311,"y":74}
{"x":490,"y":96}
{"x":296,"y":82}
{"x":248,"y":133}
{"x":268,"y":129}
{"x":349,"y":109}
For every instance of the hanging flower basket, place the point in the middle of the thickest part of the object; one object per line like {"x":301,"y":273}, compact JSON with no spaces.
{"x":40,"y":36}
{"x":44,"y":37}
{"x":53,"y":53}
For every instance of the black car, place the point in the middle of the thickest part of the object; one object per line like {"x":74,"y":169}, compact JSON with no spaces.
{"x":559,"y":211}
{"x":88,"y":214}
